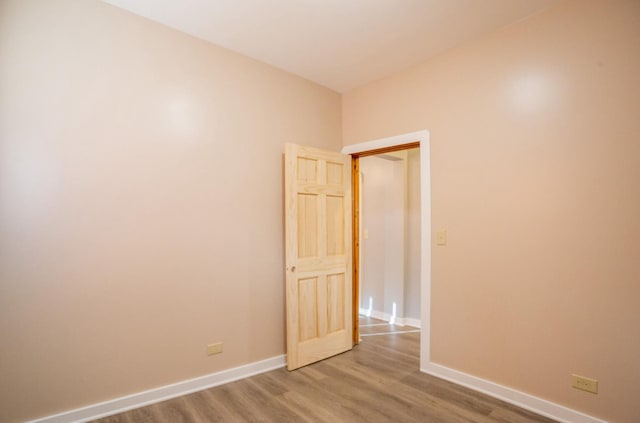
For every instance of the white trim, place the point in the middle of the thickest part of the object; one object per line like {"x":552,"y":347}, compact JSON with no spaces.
{"x":410,"y":321}
{"x":420,"y":136}
{"x":152,"y":396}
{"x":521,"y":399}
{"x":510,"y":395}
{"x":376,"y":314}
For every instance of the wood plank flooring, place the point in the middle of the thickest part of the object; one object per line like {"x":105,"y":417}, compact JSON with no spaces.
{"x":378,"y":381}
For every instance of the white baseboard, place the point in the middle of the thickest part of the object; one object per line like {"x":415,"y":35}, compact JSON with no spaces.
{"x":375,"y":314}
{"x":512,"y":396}
{"x":410,"y":321}
{"x":401,"y":321}
{"x":152,"y":396}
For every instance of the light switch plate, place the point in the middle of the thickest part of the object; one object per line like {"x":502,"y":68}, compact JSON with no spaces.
{"x":441,"y":237}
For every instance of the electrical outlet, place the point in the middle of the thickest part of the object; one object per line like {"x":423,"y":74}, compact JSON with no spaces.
{"x":214,"y":348}
{"x":584,"y":383}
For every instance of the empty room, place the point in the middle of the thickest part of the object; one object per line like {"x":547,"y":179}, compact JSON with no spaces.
{"x":184,"y":225}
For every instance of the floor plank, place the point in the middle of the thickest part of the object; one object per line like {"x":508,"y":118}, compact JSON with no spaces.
{"x":378,"y":381}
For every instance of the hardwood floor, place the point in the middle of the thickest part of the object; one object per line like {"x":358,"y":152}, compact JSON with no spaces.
{"x":378,"y":381}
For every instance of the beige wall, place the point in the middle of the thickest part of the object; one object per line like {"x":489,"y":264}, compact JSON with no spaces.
{"x":140,"y":203}
{"x":535,"y":176}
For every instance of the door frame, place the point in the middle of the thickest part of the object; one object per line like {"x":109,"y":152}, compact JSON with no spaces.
{"x":384,"y":145}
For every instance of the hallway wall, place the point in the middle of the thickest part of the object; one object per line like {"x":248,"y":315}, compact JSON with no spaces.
{"x":390,"y":250}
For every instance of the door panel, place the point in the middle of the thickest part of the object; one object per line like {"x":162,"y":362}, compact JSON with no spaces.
{"x":318,"y":254}
{"x":335,"y":294}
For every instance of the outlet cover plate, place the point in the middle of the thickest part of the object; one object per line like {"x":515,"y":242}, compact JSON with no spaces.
{"x":214,"y":348}
{"x":584,"y":383}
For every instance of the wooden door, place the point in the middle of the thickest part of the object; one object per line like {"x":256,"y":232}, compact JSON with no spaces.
{"x":318,"y":254}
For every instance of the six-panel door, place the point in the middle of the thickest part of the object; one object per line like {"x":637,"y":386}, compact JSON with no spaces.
{"x":318,"y":254}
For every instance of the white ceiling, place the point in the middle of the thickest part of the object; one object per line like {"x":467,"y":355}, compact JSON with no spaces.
{"x":340,"y":44}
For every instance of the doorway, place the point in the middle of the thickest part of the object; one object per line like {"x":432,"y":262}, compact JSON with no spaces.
{"x":385,"y":145}
{"x":389,"y":233}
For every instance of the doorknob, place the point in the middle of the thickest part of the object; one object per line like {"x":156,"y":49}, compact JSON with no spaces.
{"x":292,"y":268}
